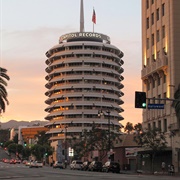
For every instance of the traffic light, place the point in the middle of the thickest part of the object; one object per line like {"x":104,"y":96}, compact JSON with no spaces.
{"x":25,"y":144}
{"x":140,"y":100}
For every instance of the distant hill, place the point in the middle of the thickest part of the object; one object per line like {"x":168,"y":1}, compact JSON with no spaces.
{"x":16,"y":124}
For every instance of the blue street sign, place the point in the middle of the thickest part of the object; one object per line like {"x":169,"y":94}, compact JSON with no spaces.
{"x":155,"y":106}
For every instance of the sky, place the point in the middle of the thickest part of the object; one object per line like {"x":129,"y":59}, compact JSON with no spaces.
{"x":29,"y":28}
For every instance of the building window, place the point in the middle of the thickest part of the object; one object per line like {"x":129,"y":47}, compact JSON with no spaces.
{"x":149,"y":126}
{"x":148,"y":62}
{"x":157,"y":14}
{"x":165,"y":125}
{"x":163,"y":9}
{"x":157,"y":36}
{"x":147,"y":43}
{"x":165,"y":98}
{"x":164,"y":78}
{"x":152,"y":39}
{"x":153,"y":83}
{"x":159,"y":97}
{"x":152,"y":1}
{"x":154,"y":125}
{"x":153,"y":57}
{"x":148,"y":86}
{"x":152,"y":18}
{"x":158,"y":54}
{"x":147,"y":4}
{"x":159,"y":125}
{"x":147,"y":23}
{"x":158,"y":81}
{"x":163,"y":32}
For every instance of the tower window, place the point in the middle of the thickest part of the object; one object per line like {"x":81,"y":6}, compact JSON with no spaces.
{"x":157,"y":36}
{"x":163,"y":32}
{"x":152,"y":18}
{"x":152,"y":39}
{"x":163,"y":9}
{"x":147,"y":4}
{"x":147,"y":23}
{"x":147,"y":43}
{"x":157,"y":14}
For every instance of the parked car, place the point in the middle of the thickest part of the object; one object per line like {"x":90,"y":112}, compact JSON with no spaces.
{"x":95,"y":166}
{"x":85,"y":165}
{"x":18,"y":161}
{"x":39,"y":164}
{"x":59,"y":164}
{"x":36,"y":164}
{"x":28,"y":163}
{"x":111,"y":166}
{"x":12,"y":161}
{"x":76,"y":164}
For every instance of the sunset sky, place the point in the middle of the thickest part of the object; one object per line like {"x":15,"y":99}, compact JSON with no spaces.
{"x":31,"y":27}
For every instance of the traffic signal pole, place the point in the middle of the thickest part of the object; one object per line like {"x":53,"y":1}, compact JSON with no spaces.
{"x":140,"y":100}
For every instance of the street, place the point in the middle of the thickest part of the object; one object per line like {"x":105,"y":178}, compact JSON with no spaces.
{"x":22,"y":172}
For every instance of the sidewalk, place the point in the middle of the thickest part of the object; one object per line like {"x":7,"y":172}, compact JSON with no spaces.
{"x":148,"y":173}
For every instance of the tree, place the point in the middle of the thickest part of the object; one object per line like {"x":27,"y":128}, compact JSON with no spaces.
{"x":42,"y":138}
{"x":95,"y":139}
{"x":176,"y":104}
{"x":153,"y":140}
{"x":26,"y":152}
{"x":4,"y":135}
{"x":15,"y":138}
{"x":138,"y":128}
{"x":6,"y":144}
{"x":3,"y":92}
{"x":129,"y":127}
{"x":38,"y":151}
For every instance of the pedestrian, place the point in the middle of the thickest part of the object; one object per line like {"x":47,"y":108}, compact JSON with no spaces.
{"x":171,"y":169}
{"x":163,"y":166}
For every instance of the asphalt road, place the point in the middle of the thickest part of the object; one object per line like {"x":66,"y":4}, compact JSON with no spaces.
{"x":22,"y":172}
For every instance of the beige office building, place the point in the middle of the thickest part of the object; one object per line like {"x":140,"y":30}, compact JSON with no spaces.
{"x":161,"y":67}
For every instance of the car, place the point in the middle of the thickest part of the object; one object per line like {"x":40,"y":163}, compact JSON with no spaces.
{"x":76,"y":164}
{"x":95,"y":166}
{"x":59,"y":164}
{"x":111,"y":166}
{"x":85,"y":165}
{"x":18,"y":161}
{"x":36,"y":164}
{"x":39,"y":164}
{"x":28,"y":163}
{"x":12,"y":161}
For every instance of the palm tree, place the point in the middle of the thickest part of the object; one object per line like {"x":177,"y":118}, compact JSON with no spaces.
{"x":129,"y":127}
{"x":176,"y":104}
{"x":3,"y":92}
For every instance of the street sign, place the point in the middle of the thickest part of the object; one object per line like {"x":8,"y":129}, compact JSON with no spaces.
{"x":155,"y":106}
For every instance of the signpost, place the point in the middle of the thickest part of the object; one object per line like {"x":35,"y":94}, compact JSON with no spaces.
{"x":155,"y":106}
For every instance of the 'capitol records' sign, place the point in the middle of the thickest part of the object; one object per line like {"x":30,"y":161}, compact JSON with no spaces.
{"x":79,"y":35}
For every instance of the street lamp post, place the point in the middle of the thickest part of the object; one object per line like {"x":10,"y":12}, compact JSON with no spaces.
{"x":65,"y":152}
{"x":100,"y":113}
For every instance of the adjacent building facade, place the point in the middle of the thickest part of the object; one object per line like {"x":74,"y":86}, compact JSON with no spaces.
{"x":161,"y":67}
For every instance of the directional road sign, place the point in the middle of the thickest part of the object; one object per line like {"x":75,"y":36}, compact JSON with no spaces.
{"x":155,"y":106}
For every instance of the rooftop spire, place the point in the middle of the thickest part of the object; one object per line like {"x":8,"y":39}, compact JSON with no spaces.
{"x":82,"y":17}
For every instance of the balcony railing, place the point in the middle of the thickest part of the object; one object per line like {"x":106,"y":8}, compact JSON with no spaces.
{"x":157,"y":64}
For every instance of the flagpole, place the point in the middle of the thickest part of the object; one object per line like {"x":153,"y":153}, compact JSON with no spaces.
{"x":93,"y":26}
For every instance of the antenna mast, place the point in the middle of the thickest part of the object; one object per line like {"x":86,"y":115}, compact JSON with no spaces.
{"x":82,"y":17}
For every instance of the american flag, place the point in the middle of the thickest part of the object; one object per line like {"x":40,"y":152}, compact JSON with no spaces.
{"x":94,"y":17}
